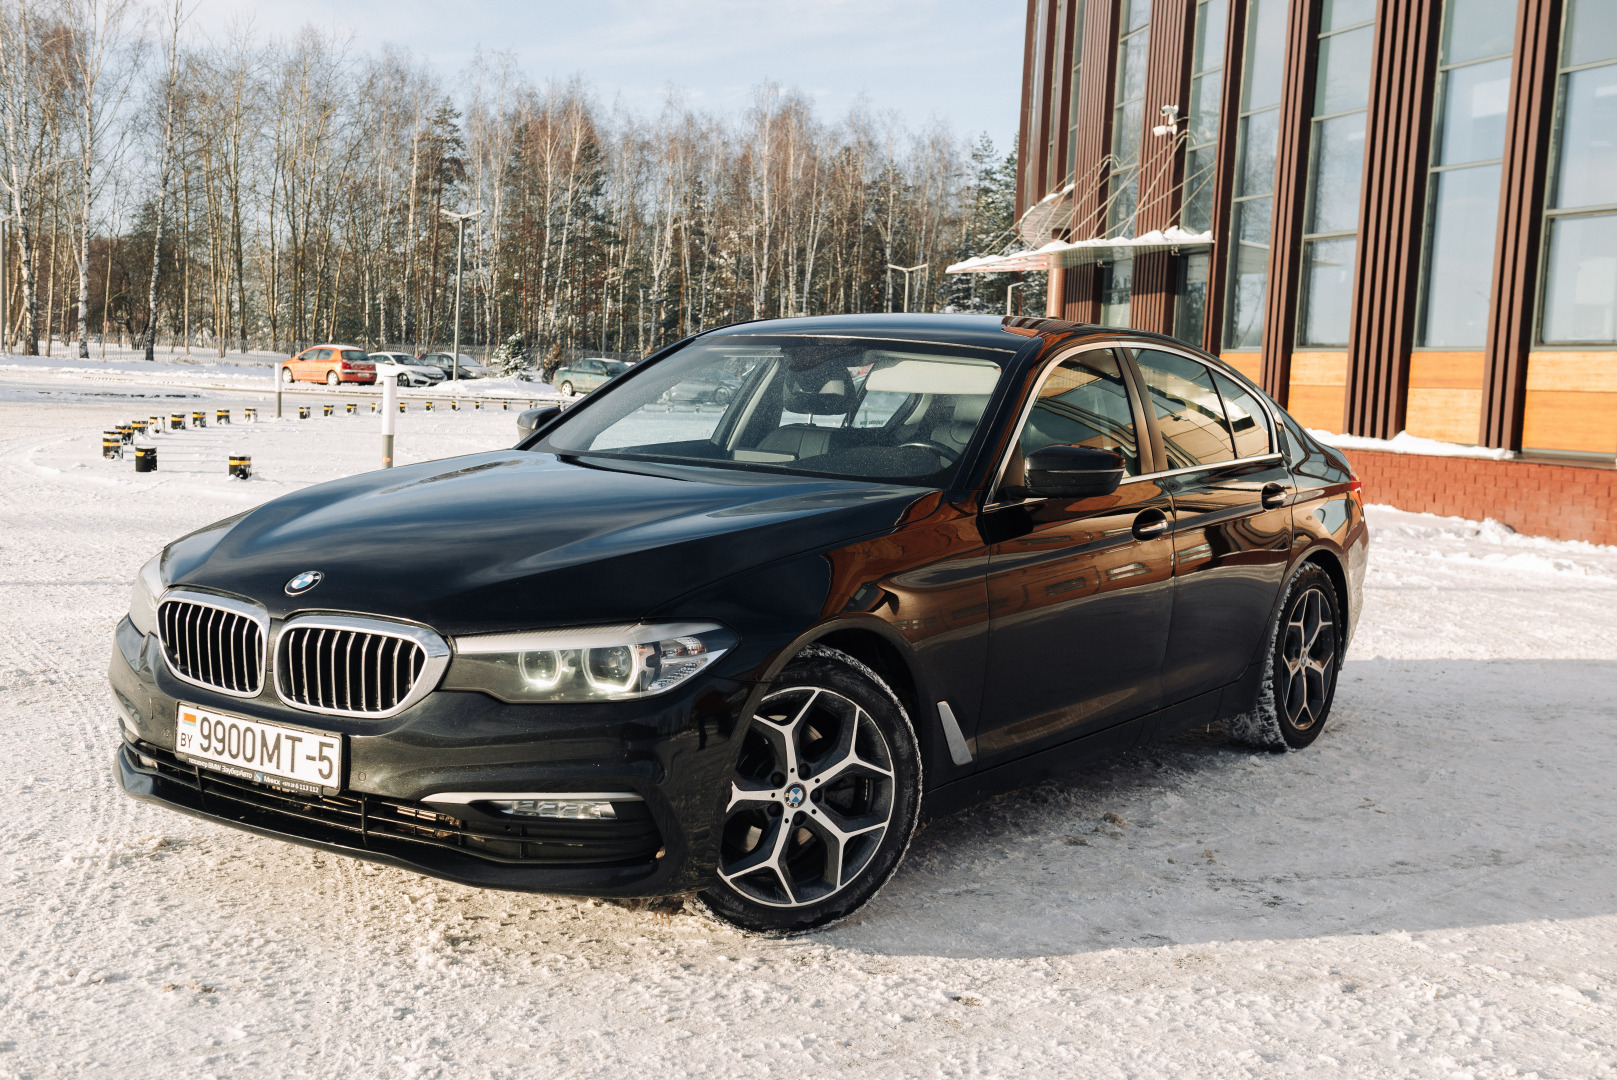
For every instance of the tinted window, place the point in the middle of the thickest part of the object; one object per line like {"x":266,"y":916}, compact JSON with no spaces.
{"x":354,"y":356}
{"x":1248,"y":422}
{"x":1084,"y":402}
{"x":1188,"y":410}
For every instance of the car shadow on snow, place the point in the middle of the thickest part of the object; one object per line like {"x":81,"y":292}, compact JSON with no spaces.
{"x":1443,"y":793}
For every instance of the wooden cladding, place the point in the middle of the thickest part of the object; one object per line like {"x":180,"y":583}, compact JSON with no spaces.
{"x":1392,"y":202}
{"x":1162,"y":159}
{"x":1290,"y":191}
{"x":1521,"y":223}
{"x":1093,"y":139}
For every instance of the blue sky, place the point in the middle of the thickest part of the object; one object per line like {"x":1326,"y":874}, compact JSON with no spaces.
{"x":956,"y":60}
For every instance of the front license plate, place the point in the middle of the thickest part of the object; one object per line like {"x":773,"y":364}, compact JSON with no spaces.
{"x":264,"y":753}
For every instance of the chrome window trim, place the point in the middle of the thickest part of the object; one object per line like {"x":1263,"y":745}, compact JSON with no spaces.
{"x":1257,"y":459}
{"x":432,"y":669}
{"x":232,"y":605}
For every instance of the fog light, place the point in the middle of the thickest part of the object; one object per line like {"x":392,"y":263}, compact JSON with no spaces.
{"x":580,"y":810}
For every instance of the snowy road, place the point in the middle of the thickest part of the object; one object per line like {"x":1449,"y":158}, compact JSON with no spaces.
{"x":1428,"y":892}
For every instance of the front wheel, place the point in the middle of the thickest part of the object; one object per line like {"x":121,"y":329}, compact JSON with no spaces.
{"x":404,"y":380}
{"x":332,"y":379}
{"x":823,"y":801}
{"x":1304,"y":658}
{"x":286,"y":374}
{"x":567,"y":389}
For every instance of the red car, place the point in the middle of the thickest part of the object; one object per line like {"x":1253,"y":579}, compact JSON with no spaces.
{"x":330,"y":364}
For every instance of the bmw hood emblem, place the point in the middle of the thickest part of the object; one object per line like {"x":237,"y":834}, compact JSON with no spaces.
{"x":303,"y":582}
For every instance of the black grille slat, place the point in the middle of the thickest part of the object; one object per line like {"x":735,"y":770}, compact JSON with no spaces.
{"x":212,"y":645}
{"x":352,"y":671}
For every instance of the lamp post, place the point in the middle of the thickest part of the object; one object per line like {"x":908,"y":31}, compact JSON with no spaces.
{"x":5,"y":284}
{"x":460,"y":251}
{"x":1010,"y":291}
{"x":907,"y":271}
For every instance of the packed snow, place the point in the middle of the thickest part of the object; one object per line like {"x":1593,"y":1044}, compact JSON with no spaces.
{"x":1429,"y":891}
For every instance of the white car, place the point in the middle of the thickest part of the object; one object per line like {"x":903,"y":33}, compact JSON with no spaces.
{"x":405,"y":370}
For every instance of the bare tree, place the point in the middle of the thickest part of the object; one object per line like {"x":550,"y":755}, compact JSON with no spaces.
{"x":171,"y":53}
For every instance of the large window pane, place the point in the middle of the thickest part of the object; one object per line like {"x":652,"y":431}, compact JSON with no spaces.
{"x":1211,"y":19}
{"x":1265,"y":54}
{"x":1327,"y":291}
{"x":1339,"y":13}
{"x":1190,"y":297}
{"x":1338,"y":161}
{"x":1116,"y":288}
{"x":1591,"y":31}
{"x":1474,"y":102}
{"x":1131,"y":67}
{"x":1477,"y":28}
{"x":1258,"y":135}
{"x":1587,"y":172}
{"x":1344,"y":72}
{"x":1136,"y":13}
{"x":1198,"y":211}
{"x":1459,"y":268}
{"x":1085,"y":402}
{"x":1580,"y":287}
{"x":1249,"y":274}
{"x":1204,"y":95}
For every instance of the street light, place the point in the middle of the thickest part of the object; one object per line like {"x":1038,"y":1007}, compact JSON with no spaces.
{"x":907,"y":271}
{"x":1010,"y":291}
{"x":460,"y":250}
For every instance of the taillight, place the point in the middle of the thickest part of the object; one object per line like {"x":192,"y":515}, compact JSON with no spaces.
{"x":1354,"y":483}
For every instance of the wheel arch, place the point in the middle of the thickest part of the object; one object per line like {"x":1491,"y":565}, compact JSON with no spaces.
{"x":1328,"y":561}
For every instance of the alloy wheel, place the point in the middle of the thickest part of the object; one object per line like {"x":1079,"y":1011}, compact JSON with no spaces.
{"x":812,"y":797}
{"x":1308,"y":652}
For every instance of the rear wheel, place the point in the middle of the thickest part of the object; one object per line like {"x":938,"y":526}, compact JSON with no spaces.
{"x":823,"y":801}
{"x":332,"y":379}
{"x":1304,"y":658}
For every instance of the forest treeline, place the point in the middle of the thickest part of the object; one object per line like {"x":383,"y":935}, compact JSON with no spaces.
{"x":261,"y":192}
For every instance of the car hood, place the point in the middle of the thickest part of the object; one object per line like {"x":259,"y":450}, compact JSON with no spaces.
{"x":513,"y":539}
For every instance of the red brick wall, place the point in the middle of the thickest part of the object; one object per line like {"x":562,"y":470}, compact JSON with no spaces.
{"x":1567,"y":502}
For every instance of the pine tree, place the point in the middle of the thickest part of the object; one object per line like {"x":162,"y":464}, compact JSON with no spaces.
{"x":988,"y":228}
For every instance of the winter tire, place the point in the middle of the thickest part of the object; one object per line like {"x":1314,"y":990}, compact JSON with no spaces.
{"x":331,"y":378}
{"x":567,"y":389}
{"x":1301,"y":668}
{"x":823,"y":801}
{"x":404,"y":380}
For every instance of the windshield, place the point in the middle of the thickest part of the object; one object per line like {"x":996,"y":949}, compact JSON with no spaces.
{"x":355,"y":356}
{"x":862,"y":408}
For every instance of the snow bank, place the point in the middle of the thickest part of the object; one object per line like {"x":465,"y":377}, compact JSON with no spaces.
{"x":1405,"y":443}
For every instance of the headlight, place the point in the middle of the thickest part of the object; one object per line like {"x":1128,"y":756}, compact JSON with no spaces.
{"x":143,"y":597}
{"x":608,"y":663}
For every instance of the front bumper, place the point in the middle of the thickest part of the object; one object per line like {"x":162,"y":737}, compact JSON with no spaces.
{"x":676,"y":753}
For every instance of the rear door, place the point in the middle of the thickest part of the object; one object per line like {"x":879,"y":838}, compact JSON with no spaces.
{"x":1080,"y":591}
{"x":1232,"y":530}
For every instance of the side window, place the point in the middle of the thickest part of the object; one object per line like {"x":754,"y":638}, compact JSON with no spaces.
{"x":1084,"y":402}
{"x":1188,"y":410}
{"x":1248,"y":422}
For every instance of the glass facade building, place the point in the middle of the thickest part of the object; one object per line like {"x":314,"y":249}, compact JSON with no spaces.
{"x":1397,"y":215}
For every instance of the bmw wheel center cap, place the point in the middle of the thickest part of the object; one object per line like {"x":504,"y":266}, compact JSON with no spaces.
{"x":303,"y":582}
{"x":795,"y":796}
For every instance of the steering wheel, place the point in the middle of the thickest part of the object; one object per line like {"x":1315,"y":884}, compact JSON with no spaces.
{"x":948,"y":453}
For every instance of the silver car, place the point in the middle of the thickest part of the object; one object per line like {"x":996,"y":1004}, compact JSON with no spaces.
{"x":405,"y":370}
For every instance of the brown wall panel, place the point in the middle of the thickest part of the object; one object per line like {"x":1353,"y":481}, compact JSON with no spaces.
{"x":1080,"y":295}
{"x":1024,"y":124}
{"x":1291,"y":181}
{"x":1392,"y":204}
{"x":1162,"y":160}
{"x":1094,"y":134}
{"x":1520,"y":228}
{"x":1224,"y":178}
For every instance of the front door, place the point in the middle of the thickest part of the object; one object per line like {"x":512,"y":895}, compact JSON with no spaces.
{"x":1079,"y":590}
{"x":1232,"y":529}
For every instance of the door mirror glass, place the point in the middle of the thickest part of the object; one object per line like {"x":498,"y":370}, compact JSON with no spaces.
{"x":1073,"y":472}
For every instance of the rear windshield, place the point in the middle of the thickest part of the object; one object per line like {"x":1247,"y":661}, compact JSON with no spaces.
{"x":354,"y":355}
{"x":860,"y":408}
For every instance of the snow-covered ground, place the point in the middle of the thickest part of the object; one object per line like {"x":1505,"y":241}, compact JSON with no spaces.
{"x":1430,"y":891}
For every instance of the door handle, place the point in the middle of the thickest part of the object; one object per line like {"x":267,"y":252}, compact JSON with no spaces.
{"x":1273,"y":497}
{"x":1150,"y":524}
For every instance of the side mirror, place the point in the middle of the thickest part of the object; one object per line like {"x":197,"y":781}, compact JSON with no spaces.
{"x":1073,"y":472}
{"x":530,"y":420}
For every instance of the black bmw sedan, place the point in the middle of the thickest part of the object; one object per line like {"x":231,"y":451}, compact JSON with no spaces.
{"x":736,"y":649}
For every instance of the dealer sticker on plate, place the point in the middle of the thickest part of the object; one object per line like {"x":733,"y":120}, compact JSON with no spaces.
{"x":265,"y":753}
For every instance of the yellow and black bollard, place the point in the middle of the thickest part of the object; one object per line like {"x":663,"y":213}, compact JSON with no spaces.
{"x":199,"y":418}
{"x":176,"y":421}
{"x":139,"y":426}
{"x":373,"y":406}
{"x":155,"y":424}
{"x":303,"y":412}
{"x":325,"y":410}
{"x":454,"y":406}
{"x":252,"y":415}
{"x":401,"y":406}
{"x":429,"y":406}
{"x":145,"y":459}
{"x":126,"y":432}
{"x":241,"y":466}
{"x":221,"y":416}
{"x":112,"y":445}
{"x":353,"y":406}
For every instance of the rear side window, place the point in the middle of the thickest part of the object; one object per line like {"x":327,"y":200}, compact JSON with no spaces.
{"x":1189,"y":411}
{"x":1084,"y":402}
{"x":1249,"y":423}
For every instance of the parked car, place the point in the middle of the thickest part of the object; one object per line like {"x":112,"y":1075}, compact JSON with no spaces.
{"x":444,"y":362}
{"x":330,"y":364}
{"x":717,"y":388}
{"x":405,"y":370}
{"x":734,"y":651}
{"x":582,"y":376}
